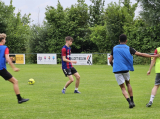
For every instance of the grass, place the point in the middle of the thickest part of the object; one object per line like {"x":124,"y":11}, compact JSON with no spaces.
{"x":100,"y":97}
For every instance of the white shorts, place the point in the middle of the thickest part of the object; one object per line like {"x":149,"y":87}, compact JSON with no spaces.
{"x":122,"y":77}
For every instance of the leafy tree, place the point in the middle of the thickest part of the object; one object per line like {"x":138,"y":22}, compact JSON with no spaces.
{"x":150,"y":11}
{"x":78,"y":28}
{"x":141,"y":37}
{"x":56,"y":19}
{"x":117,"y":17}
{"x":143,"y":33}
{"x":100,"y":38}
{"x":5,"y":13}
{"x":69,"y":22}
{"x":37,"y":42}
{"x":11,"y":24}
{"x":96,"y":10}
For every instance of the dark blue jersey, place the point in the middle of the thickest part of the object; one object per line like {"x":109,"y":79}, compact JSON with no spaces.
{"x":66,"y":51}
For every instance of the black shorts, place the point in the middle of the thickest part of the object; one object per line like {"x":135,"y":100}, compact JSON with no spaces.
{"x":5,"y":74}
{"x":157,"y":80}
{"x":68,"y":72}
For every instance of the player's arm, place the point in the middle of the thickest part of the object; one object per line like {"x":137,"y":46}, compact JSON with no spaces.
{"x":111,"y":60}
{"x":10,"y":62}
{"x":152,"y":64}
{"x":66,"y":60}
{"x":145,"y":55}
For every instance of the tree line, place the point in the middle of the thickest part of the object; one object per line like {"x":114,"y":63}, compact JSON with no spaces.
{"x":94,"y":28}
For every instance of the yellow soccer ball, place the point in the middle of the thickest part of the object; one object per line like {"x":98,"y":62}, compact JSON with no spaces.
{"x":31,"y":81}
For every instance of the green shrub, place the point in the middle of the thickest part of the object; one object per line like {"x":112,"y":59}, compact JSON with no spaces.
{"x":99,"y":58}
{"x":141,"y":60}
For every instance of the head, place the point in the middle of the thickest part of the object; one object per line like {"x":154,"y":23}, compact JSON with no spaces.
{"x":69,"y":40}
{"x":123,"y":38}
{"x":3,"y":38}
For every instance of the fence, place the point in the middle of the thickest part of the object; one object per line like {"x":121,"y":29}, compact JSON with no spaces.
{"x":97,"y":58}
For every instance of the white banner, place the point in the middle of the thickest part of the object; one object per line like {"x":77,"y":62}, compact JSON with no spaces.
{"x":108,"y":57}
{"x":46,"y":58}
{"x":82,"y":59}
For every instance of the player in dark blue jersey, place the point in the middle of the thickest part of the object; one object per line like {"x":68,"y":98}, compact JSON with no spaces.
{"x":4,"y":56}
{"x":67,"y":67}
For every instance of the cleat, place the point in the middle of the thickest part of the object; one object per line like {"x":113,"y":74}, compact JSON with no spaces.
{"x":63,"y":91}
{"x":22,"y":100}
{"x":131,"y":105}
{"x":76,"y":91}
{"x":149,"y":104}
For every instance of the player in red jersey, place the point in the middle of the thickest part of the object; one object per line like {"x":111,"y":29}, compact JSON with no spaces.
{"x":67,"y":67}
{"x":4,"y":56}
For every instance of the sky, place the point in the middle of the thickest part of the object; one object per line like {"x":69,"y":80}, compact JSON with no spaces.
{"x":37,"y":7}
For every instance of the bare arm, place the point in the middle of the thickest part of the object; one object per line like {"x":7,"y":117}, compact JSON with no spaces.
{"x":10,"y":62}
{"x":111,"y":60}
{"x":66,"y":60}
{"x":145,"y":55}
{"x":152,"y":64}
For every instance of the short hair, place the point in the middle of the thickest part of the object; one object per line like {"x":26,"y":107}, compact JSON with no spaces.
{"x":122,"y":38}
{"x":68,"y":38}
{"x":2,"y":36}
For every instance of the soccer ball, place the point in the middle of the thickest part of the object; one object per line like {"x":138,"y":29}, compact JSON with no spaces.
{"x":31,"y":81}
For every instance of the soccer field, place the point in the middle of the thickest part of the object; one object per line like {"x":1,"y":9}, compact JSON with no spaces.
{"x":100,"y":97}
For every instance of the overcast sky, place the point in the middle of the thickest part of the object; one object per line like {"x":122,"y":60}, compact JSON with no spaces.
{"x":37,"y":7}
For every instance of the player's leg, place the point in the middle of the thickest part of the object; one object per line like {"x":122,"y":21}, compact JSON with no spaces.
{"x":16,"y":90}
{"x":76,"y":74}
{"x":77,"y":82}
{"x":8,"y":77}
{"x":120,"y":80}
{"x":68,"y":74}
{"x":129,"y":88}
{"x":124,"y":92}
{"x":15,"y":85}
{"x":71,"y":79}
{"x":153,"y":93}
{"x":154,"y":90}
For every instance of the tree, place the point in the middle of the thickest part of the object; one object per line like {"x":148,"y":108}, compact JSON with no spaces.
{"x":11,"y":24}
{"x":78,"y":27}
{"x":5,"y":13}
{"x":100,"y":38}
{"x":150,"y":11}
{"x":69,"y":22}
{"x":56,"y":18}
{"x":96,"y":10}
{"x":117,"y":17}
{"x":143,"y":34}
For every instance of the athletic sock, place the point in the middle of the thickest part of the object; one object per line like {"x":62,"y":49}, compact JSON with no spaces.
{"x":129,"y":101}
{"x":131,"y":97}
{"x":64,"y":88}
{"x":76,"y":88}
{"x":152,"y":98}
{"x":19,"y":97}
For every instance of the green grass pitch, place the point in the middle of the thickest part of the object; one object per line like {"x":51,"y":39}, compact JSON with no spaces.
{"x":100,"y":97}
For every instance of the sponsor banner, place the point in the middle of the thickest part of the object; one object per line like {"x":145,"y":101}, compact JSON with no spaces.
{"x":20,"y":58}
{"x":13,"y":58}
{"x":46,"y":58}
{"x":108,"y":57}
{"x":17,"y":58}
{"x":82,"y":59}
